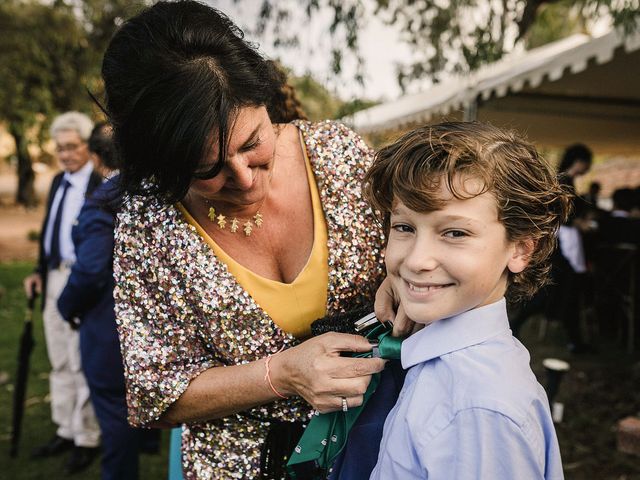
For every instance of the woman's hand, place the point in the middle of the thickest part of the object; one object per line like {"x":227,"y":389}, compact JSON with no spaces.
{"x":316,"y":371}
{"x":385,"y":309}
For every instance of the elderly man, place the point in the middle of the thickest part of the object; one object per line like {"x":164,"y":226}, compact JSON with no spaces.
{"x":71,"y":408}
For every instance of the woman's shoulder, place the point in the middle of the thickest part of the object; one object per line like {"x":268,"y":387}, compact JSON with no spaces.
{"x":151,"y":207}
{"x":331,"y":144}
{"x":147,"y":218}
{"x":322,"y":126}
{"x":331,"y":133}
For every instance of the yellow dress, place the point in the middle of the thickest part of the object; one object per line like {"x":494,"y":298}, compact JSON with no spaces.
{"x":292,"y":306}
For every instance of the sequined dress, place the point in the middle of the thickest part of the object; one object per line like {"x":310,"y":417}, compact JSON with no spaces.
{"x":181,"y":312}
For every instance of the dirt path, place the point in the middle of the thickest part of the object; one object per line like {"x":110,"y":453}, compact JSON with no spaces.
{"x":18,"y":224}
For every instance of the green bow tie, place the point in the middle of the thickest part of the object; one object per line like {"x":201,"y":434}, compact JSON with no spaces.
{"x":326,"y":435}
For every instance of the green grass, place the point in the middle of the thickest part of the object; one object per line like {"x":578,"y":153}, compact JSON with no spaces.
{"x":37,"y":426}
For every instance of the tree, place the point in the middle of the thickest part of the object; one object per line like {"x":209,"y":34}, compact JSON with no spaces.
{"x":446,"y":35}
{"x":100,"y":19}
{"x":555,"y":21}
{"x":50,"y":55}
{"x":43,"y":54}
{"x":320,"y":104}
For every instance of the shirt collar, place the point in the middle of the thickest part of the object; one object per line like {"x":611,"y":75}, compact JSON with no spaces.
{"x":455,"y":333}
{"x":110,"y":175}
{"x":80,"y":179}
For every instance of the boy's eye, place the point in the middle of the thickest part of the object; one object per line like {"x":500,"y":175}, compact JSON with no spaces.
{"x":402,"y":228}
{"x":455,"y":234}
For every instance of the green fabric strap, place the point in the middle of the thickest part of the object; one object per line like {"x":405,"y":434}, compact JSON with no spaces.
{"x":389,"y":347}
{"x":326,"y":435}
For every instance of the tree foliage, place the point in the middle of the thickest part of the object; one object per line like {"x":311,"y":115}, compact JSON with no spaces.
{"x":446,"y":35}
{"x":43,"y":57}
{"x":100,"y":19}
{"x":49,"y":55}
{"x":555,"y":21}
{"x":320,"y":104}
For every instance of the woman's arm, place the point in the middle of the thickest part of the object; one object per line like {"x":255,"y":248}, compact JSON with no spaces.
{"x":314,"y":370}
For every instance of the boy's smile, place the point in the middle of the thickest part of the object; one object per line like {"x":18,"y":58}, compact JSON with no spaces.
{"x":448,"y":261}
{"x":421,"y":290}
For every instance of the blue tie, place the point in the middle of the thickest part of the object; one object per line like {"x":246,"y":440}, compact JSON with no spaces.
{"x":54,"y":254}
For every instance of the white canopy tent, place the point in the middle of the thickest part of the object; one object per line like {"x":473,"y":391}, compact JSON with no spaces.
{"x":576,"y":89}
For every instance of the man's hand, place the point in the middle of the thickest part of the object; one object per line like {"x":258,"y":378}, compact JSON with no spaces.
{"x":32,"y":284}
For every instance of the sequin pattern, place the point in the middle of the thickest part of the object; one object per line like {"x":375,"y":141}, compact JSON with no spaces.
{"x":181,"y":312}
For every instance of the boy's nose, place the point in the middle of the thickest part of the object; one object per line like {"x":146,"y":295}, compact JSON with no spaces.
{"x":421,"y":257}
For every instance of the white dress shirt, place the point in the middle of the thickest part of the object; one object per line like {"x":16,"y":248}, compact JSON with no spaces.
{"x":570,"y":240}
{"x":72,"y":205}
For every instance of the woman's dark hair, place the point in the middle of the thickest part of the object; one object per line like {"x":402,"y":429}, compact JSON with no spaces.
{"x":101,"y":143}
{"x":175,"y":77}
{"x":575,"y":153}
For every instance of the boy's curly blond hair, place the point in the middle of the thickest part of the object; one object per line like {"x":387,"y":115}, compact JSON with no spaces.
{"x":531,"y":203}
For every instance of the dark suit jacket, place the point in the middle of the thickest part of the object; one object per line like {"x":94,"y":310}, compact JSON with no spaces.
{"x":88,"y":294}
{"x":360,"y":454}
{"x":619,"y":230}
{"x":41,"y":266}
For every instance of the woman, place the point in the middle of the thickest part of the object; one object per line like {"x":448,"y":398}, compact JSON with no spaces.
{"x":236,"y":234}
{"x":569,"y":270}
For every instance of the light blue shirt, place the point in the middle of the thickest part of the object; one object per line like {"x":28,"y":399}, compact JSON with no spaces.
{"x":470,"y":408}
{"x":72,"y":205}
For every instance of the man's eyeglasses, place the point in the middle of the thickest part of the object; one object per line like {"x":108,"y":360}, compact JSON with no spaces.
{"x":70,"y":147}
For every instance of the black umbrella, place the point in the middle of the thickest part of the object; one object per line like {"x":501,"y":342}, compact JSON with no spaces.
{"x":24,"y":352}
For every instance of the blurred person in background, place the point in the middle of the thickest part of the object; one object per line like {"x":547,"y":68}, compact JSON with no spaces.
{"x":569,"y":266}
{"x":102,"y":151}
{"x":623,"y":202}
{"x":576,"y":161}
{"x":87,"y":304}
{"x":561,"y":300}
{"x":620,"y":226}
{"x":71,"y":408}
{"x":593,"y":195}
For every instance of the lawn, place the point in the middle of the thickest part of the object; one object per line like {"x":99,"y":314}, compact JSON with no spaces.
{"x":37,"y":426}
{"x":599,"y":390}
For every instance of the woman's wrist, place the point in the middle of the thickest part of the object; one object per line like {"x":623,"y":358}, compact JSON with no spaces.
{"x":267,"y":377}
{"x":275,"y":375}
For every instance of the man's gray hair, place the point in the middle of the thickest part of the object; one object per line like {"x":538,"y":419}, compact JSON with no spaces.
{"x":74,"y":121}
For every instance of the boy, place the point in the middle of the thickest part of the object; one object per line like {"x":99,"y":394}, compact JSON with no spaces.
{"x":471,"y":213}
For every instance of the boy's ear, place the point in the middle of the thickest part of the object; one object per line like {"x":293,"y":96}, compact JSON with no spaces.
{"x":521,"y":255}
